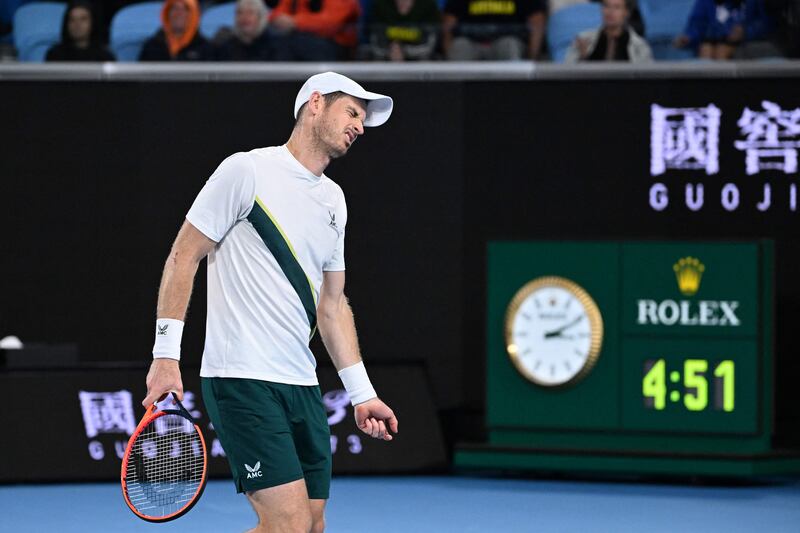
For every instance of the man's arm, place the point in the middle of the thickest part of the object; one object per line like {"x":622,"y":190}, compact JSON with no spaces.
{"x":536,"y":26}
{"x":338,"y":331}
{"x":189,"y":248}
{"x":449,"y":23}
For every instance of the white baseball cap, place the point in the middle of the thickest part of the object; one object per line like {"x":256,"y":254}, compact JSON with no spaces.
{"x":379,"y":106}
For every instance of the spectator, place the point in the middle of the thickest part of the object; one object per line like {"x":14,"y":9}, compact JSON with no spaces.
{"x":248,"y":41}
{"x":717,"y":27}
{"x":178,"y":38}
{"x":615,"y":40}
{"x":493,"y":29}
{"x":314,"y":30}
{"x":80,"y":36}
{"x":403,"y":30}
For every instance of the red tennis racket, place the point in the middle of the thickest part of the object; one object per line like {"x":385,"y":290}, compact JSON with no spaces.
{"x":165,"y":464}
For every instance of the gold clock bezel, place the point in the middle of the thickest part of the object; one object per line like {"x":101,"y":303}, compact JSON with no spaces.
{"x":592,"y":312}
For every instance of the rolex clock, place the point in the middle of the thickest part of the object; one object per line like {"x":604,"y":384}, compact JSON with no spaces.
{"x":553,"y":331}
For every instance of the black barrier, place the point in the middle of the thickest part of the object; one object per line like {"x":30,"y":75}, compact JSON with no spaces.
{"x":73,"y":425}
{"x":98,"y":175}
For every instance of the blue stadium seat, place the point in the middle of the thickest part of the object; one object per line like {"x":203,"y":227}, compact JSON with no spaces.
{"x":664,"y":51}
{"x":216,"y":17}
{"x":131,"y":27}
{"x":665,"y":18}
{"x":37,"y":27}
{"x":663,"y":21}
{"x":565,"y":24}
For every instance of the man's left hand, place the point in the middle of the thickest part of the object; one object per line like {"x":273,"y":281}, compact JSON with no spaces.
{"x":374,"y":418}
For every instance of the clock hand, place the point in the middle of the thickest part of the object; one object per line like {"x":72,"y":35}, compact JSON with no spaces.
{"x":557,"y":332}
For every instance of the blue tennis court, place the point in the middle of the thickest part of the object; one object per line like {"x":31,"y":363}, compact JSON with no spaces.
{"x":437,"y":504}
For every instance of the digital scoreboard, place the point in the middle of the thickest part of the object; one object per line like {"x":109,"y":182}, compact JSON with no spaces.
{"x":630,"y":357}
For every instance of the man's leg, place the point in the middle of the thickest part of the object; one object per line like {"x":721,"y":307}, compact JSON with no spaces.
{"x":724,"y":52}
{"x":463,"y":49}
{"x":507,"y":48}
{"x":282,"y":509}
{"x":706,"y":51}
{"x":318,"y":515}
{"x":312,"y":437}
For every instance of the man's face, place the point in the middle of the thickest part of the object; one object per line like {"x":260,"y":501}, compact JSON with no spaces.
{"x":178,"y":17}
{"x":79,"y":24}
{"x":615,"y":14}
{"x":339,"y":124}
{"x":247,"y":20}
{"x":404,"y":6}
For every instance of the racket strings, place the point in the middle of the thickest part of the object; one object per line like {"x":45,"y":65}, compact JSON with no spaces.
{"x":165,"y":467}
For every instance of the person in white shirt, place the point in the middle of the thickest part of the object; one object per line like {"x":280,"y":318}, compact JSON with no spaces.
{"x":272,"y":226}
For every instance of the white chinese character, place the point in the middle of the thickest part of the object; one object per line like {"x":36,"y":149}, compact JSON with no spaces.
{"x":771,"y":138}
{"x":684,"y":138}
{"x":336,"y":402}
{"x":107,"y":412}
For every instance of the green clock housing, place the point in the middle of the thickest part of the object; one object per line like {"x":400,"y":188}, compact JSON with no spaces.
{"x":681,"y":384}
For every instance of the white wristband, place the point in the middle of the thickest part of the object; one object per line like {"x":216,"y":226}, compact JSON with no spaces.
{"x":168,"y":339}
{"x":356,"y":382}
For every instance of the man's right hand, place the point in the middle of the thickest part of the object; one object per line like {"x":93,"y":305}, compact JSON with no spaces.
{"x":164,"y":377}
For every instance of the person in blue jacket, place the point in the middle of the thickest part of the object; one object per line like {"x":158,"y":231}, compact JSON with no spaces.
{"x":717,"y":27}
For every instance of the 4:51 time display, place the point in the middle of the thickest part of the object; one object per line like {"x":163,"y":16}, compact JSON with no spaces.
{"x":699,"y":381}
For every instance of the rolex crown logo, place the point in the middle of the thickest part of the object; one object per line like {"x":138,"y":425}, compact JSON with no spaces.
{"x":689,"y":272}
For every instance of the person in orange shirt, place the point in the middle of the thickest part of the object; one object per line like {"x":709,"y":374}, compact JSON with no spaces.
{"x":179,"y":38}
{"x":314,"y":30}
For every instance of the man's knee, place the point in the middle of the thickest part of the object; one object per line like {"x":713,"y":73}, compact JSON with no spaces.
{"x":318,"y":525}
{"x":283,"y":509}
{"x":317,"y":516}
{"x":290,"y":522}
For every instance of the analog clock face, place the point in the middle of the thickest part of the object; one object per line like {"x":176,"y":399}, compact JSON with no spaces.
{"x":553,"y":331}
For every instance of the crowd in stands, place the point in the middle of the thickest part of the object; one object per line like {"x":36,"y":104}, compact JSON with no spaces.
{"x":412,"y":30}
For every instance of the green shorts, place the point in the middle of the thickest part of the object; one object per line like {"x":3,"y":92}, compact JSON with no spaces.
{"x":272,"y":433}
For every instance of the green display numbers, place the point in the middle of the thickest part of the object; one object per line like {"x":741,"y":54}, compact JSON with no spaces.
{"x":653,"y":386}
{"x":724,"y":372}
{"x":694,"y":380}
{"x":695,"y":386}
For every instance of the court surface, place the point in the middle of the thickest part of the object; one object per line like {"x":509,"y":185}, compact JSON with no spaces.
{"x":436,"y":504}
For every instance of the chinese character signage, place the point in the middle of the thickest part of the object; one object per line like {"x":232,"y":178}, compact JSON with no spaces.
{"x":687,"y":141}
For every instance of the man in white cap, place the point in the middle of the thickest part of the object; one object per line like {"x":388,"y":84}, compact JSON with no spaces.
{"x":272,"y":225}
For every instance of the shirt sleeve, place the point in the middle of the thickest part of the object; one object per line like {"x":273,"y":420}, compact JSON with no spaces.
{"x":336,"y":261}
{"x":225,"y":199}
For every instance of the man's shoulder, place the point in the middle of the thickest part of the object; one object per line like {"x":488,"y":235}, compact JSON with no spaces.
{"x":334,"y":186}
{"x":264,"y":153}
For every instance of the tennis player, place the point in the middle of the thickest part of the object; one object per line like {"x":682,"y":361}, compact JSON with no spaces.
{"x":272,"y":226}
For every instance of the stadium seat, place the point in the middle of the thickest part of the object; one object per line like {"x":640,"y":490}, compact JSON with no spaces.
{"x":37,"y":27}
{"x":663,"y":21}
{"x":665,"y":18}
{"x":664,"y":51}
{"x":565,"y":24}
{"x":131,"y":27}
{"x":216,"y":17}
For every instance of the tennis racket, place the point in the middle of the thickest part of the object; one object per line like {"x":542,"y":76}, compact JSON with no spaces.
{"x":165,"y":464}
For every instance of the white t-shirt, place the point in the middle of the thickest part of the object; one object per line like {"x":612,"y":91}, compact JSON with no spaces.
{"x":278,"y":227}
